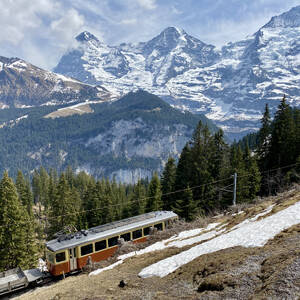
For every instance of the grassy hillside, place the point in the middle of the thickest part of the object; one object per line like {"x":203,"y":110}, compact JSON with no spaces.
{"x":267,"y":272}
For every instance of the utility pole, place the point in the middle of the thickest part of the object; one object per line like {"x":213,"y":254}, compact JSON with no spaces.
{"x":234,"y":190}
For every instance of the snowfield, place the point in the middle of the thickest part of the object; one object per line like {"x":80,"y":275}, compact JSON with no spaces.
{"x":252,"y":232}
{"x":249,"y":234}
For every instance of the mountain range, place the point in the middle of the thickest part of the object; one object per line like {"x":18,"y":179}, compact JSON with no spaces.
{"x":91,"y":114}
{"x":230,"y":85}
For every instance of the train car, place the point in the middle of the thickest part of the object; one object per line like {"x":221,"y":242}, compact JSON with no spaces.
{"x":69,"y":253}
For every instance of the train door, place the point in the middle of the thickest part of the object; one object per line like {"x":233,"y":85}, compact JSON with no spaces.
{"x":73,"y":259}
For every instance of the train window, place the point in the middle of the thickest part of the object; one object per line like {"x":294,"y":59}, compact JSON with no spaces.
{"x":113,"y":241}
{"x":60,"y":257}
{"x":146,"y":231}
{"x":100,"y":245}
{"x":126,"y":236}
{"x":87,"y":249}
{"x":159,"y":226}
{"x":50,"y":256}
{"x":137,"y":234}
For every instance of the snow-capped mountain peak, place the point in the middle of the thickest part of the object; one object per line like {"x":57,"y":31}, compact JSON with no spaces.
{"x":86,"y":36}
{"x":290,"y":18}
{"x":230,"y":86}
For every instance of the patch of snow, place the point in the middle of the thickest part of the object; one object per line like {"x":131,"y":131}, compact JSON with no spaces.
{"x":106,"y":268}
{"x":178,"y":241}
{"x":42,"y":266}
{"x":251,"y":234}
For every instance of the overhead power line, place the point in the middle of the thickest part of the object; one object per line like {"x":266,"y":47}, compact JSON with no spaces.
{"x":146,"y":198}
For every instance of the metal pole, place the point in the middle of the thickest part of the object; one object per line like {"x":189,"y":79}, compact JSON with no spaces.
{"x":234,"y":190}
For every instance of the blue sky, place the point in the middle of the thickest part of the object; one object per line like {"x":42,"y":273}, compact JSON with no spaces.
{"x":40,"y":31}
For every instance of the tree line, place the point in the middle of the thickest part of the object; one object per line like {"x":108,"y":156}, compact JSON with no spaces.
{"x":35,"y":209}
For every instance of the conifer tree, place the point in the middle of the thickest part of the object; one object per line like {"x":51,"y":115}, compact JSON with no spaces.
{"x":264,"y":138}
{"x":282,"y":148}
{"x":40,"y":182}
{"x":253,"y":178}
{"x":65,"y":207}
{"x":17,"y":242}
{"x":138,"y":199}
{"x":24,"y":192}
{"x":168,"y":183}
{"x":202,"y":150}
{"x":185,"y":207}
{"x":108,"y":203}
{"x":183,"y":170}
{"x":154,"y":202}
{"x":92,"y":207}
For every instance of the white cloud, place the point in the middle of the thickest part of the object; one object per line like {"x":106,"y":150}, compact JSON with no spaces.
{"x":147,"y":4}
{"x":37,"y":30}
{"x":40,"y":31}
{"x":129,"y":21}
{"x":67,"y":26}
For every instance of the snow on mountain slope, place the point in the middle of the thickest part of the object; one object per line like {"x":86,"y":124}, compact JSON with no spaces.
{"x":23,"y":84}
{"x":254,"y":231}
{"x":230,"y":86}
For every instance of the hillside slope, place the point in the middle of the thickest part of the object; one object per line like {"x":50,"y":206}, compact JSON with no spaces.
{"x":23,"y":84}
{"x":267,"y":270}
{"x":127,"y":139}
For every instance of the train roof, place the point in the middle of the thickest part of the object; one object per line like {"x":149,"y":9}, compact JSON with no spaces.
{"x":107,"y":230}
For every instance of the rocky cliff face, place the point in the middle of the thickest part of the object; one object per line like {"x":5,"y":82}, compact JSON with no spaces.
{"x":23,"y":84}
{"x":231,"y":86}
{"x":127,"y":139}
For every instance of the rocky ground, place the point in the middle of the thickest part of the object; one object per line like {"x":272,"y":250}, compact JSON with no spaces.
{"x":269,"y":272}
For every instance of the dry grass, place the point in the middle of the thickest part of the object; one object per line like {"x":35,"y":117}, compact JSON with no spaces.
{"x":269,"y":272}
{"x":69,"y":111}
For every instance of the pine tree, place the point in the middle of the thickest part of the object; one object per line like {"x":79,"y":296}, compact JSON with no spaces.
{"x":264,"y":138}
{"x":93,"y":198}
{"x":154,"y":202}
{"x":168,"y":183}
{"x":24,"y":192}
{"x":138,"y":196}
{"x":65,"y":207}
{"x":185,"y":207}
{"x":282,"y":148}
{"x":202,"y":150}
{"x":109,"y":203}
{"x":17,"y":242}
{"x":252,"y":186}
{"x":183,"y":170}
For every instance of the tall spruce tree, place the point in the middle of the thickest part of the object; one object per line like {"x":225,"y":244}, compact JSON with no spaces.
{"x":202,"y":150}
{"x":24,"y":192}
{"x":252,"y":186}
{"x":137,"y":206}
{"x":154,"y":202}
{"x":282,"y":148}
{"x":65,"y":207}
{"x":186,"y":207}
{"x":17,"y":242}
{"x":168,"y":183}
{"x":183,"y":175}
{"x":93,"y":205}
